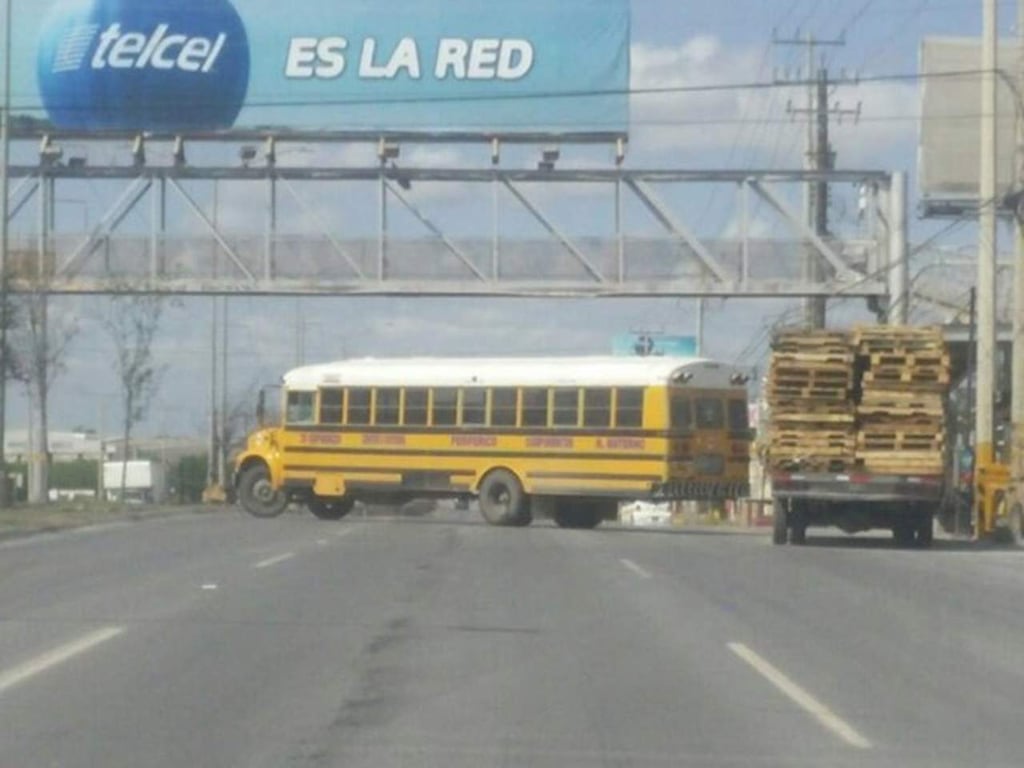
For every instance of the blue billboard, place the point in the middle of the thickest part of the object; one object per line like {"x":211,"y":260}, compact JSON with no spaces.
{"x":431,"y":66}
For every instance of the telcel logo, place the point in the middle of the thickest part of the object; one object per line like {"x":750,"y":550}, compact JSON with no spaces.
{"x":143,"y":65}
{"x":160,"y":50}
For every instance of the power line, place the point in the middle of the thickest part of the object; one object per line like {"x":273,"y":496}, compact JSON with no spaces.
{"x":856,"y":17}
{"x":761,"y":85}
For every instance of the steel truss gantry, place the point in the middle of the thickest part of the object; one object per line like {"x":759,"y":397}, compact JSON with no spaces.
{"x":263,"y":261}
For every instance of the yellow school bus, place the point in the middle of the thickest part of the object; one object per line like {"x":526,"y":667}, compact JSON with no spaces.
{"x":569,"y":436}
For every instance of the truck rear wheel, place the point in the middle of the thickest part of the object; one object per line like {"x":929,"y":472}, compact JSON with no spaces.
{"x":798,"y":523}
{"x":904,"y":533}
{"x":577,"y":514}
{"x":259,"y":498}
{"x":1015,"y":525}
{"x":780,"y":527}
{"x":924,"y":533}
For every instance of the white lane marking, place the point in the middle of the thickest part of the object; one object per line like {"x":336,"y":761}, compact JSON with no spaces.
{"x":274,"y":560}
{"x":642,"y":573}
{"x":829,"y":719}
{"x":40,"y":664}
{"x":208,"y":587}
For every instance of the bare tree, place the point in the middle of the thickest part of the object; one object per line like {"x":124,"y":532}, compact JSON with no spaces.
{"x":132,"y":322}
{"x":41,"y":344}
{"x":240,"y":419}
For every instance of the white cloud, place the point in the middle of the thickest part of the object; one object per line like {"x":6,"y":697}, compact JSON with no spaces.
{"x":752,"y":126}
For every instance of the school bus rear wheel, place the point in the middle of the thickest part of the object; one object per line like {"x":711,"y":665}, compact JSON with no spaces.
{"x":502,"y":499}
{"x":335,"y":509}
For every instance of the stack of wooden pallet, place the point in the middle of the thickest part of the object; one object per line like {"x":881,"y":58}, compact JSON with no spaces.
{"x":900,"y":413}
{"x":809,"y":399}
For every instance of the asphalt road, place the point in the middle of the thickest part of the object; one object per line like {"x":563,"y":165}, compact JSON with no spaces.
{"x":226,"y":641}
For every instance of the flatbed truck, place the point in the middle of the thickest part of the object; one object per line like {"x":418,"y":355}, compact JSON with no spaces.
{"x":855,"y":501}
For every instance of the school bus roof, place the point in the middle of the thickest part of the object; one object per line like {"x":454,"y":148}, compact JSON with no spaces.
{"x":522,"y":372}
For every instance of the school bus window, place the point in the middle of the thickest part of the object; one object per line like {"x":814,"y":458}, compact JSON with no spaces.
{"x":388,"y":402}
{"x":566,"y":412}
{"x":739,"y":418}
{"x":331,"y":403}
{"x":710,"y":413}
{"x":474,"y":407}
{"x":300,"y":408}
{"x":535,"y":407}
{"x":503,"y":407}
{"x":416,"y":407}
{"x":682,"y":412}
{"x":597,"y":408}
{"x":629,"y":408}
{"x":446,"y":407}
{"x":359,"y":407}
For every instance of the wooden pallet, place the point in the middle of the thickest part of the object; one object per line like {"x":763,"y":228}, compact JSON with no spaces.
{"x":810,"y":464}
{"x":905,"y":455}
{"x":802,"y":341}
{"x":784,"y":447}
{"x":901,"y":398}
{"x":883,"y":334}
{"x":798,"y":421}
{"x":908,"y":359}
{"x":786,"y":390}
{"x":814,"y":359}
{"x":900,"y":445}
{"x":891,"y":376}
{"x":799,"y":405}
{"x":900,"y":402}
{"x":890,"y":468}
{"x":783,"y":373}
{"x":933,"y":425}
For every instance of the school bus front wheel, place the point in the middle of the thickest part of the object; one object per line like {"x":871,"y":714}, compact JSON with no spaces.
{"x":257,"y":494}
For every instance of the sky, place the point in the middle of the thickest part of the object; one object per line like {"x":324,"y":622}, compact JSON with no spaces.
{"x":674,"y":43}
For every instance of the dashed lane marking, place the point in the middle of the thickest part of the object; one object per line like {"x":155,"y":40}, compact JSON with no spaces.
{"x":825,"y":716}
{"x":57,"y":656}
{"x":274,"y":560}
{"x":641,"y":572}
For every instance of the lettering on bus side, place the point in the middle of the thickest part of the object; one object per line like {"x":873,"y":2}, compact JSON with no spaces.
{"x":550,"y":442}
{"x":622,"y":443}
{"x":474,"y":441}
{"x":319,"y":438}
{"x":384,"y":440}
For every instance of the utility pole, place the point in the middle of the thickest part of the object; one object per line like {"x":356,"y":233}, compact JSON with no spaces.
{"x":818,"y":156}
{"x":987,"y":247}
{"x":1017,"y":384}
